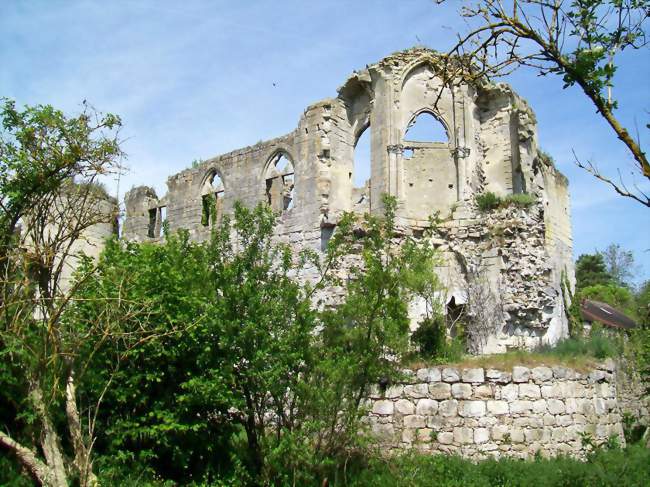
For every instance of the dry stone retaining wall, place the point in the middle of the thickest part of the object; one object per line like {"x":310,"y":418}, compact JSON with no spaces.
{"x":478,"y":412}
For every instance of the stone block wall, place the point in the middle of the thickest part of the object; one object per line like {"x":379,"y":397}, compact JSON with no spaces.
{"x":481,"y":412}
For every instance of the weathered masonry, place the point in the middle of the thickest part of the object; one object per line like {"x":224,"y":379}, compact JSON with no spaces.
{"x":482,"y":139}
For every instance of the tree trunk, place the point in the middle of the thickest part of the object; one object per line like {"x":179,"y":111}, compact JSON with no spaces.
{"x":50,"y":442}
{"x":82,"y":461}
{"x":28,"y":459}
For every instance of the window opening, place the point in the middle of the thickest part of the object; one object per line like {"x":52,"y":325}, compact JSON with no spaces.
{"x":212,"y":195}
{"x":361,"y":170}
{"x":426,"y":128}
{"x":162,"y":216}
{"x":280,"y":183}
{"x":151,"y":230}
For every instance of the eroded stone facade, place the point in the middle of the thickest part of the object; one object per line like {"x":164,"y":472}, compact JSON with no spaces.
{"x":490,"y":144}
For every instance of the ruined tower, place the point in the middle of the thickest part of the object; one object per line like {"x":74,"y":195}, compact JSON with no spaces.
{"x":516,"y":256}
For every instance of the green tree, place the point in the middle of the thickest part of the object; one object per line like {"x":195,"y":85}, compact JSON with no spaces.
{"x":591,"y":270}
{"x":575,"y":39}
{"x":49,"y":164}
{"x":619,"y":263}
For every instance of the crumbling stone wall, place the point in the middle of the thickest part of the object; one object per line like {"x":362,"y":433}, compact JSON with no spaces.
{"x":478,"y":412}
{"x":490,"y":145}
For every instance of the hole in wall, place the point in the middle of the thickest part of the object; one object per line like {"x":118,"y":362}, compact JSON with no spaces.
{"x":361,"y":169}
{"x":325,"y":236}
{"x":426,"y":128}
{"x":408,"y":153}
{"x":280,"y":183}
{"x":151,"y":229}
{"x":212,"y":196}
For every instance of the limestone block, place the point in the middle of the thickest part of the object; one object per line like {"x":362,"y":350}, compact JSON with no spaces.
{"x":487,"y":421}
{"x":446,"y":438}
{"x":600,"y":406}
{"x":450,"y":375}
{"x":497,"y":407}
{"x":604,"y":390}
{"x":519,"y":407}
{"x":434,"y":375}
{"x":424,"y":435}
{"x":414,"y":421}
{"x":440,"y":390}
{"x":404,"y":407}
{"x":426,"y":407}
{"x":586,"y":406}
{"x":555,"y":406}
{"x":571,"y":405}
{"x":542,"y":374}
{"x":448,"y":408}
{"x":531,"y":435}
{"x":560,"y":372}
{"x":539,"y":406}
{"x":481,"y":435}
{"x":548,"y":419}
{"x":564,"y":420}
{"x":463,"y":435}
{"x":520,"y":374}
{"x":383,"y":432}
{"x":422,"y":375}
{"x":608,"y":365}
{"x":558,"y":434}
{"x":483,"y":391}
{"x":509,"y":392}
{"x":517,"y":435}
{"x":498,"y":376}
{"x":555,"y":391}
{"x":394,"y":391}
{"x":408,"y":435}
{"x":461,"y":391}
{"x":498,"y":432}
{"x":596,"y":376}
{"x":416,"y":391}
{"x":475,"y":376}
{"x":383,"y":407}
{"x":579,"y":419}
{"x":472,"y":409}
{"x":529,"y":391}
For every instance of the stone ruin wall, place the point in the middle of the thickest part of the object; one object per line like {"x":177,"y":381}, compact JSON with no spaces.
{"x":481,"y":412}
{"x":491,"y":146}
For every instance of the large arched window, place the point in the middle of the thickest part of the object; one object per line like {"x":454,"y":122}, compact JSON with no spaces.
{"x":212,"y":194}
{"x":425,"y":127}
{"x":361,"y":169}
{"x":280,"y":182}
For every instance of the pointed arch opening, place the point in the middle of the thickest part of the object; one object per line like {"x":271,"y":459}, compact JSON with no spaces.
{"x":212,"y":197}
{"x":280,"y":182}
{"x":426,"y":127}
{"x":361,"y":169}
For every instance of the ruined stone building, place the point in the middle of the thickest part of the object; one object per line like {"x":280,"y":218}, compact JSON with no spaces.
{"x":486,"y":142}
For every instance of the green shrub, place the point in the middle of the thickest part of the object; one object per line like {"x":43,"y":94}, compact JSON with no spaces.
{"x":488,"y":201}
{"x":522,"y":200}
{"x":431,"y":336}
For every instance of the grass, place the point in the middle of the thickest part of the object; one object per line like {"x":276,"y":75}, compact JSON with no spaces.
{"x":580,"y":354}
{"x":604,"y":467}
{"x":489,"y":201}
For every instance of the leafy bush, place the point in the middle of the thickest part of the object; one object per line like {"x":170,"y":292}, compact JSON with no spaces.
{"x":431,"y":336}
{"x":597,"y":345}
{"x":522,"y":200}
{"x":488,"y":201}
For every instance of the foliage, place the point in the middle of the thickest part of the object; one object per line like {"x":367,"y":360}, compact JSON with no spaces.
{"x":618,"y":297}
{"x":49,"y":165}
{"x":240,"y":366}
{"x":620,"y":264}
{"x":597,"y":345}
{"x":608,"y":465}
{"x":489,"y":201}
{"x":577,"y":40}
{"x":591,"y":271}
{"x":431,"y":336}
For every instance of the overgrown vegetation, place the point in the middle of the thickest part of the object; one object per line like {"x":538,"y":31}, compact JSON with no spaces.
{"x":605,"y":466}
{"x":489,"y":201}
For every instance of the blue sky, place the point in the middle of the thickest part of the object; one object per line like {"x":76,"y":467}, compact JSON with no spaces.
{"x":194,"y":79}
